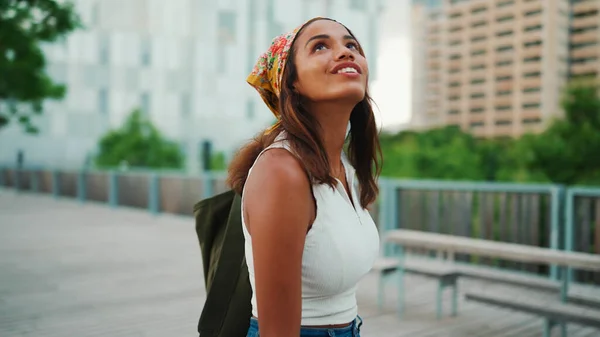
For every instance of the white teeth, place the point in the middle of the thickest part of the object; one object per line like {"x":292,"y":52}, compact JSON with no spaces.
{"x":347,"y":70}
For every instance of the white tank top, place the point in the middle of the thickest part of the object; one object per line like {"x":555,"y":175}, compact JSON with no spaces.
{"x":340,"y":248}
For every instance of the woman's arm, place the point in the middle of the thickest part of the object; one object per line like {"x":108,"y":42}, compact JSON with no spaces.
{"x":278,"y":210}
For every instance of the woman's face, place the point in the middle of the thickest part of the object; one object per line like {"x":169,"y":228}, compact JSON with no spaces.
{"x":330,"y":64}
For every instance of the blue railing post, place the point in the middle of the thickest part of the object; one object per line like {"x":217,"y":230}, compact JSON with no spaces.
{"x":388,"y":212}
{"x":207,"y":183}
{"x":557,"y":203}
{"x":153,"y":193}
{"x":81,"y":186}
{"x":568,"y":229}
{"x":55,"y":183}
{"x":17,"y":179}
{"x":2,"y":173}
{"x":113,"y":189}
{"x":34,"y":180}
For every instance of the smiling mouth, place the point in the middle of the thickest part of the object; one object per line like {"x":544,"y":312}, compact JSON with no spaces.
{"x":347,"y":70}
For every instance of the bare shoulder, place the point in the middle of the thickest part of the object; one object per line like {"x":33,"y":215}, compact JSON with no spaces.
{"x":278,"y":180}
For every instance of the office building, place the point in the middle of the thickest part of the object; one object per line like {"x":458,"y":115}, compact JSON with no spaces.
{"x":182,"y":62}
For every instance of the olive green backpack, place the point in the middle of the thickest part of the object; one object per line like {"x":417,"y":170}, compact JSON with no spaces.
{"x":227,"y":309}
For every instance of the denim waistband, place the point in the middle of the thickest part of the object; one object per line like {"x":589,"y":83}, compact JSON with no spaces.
{"x":351,"y":330}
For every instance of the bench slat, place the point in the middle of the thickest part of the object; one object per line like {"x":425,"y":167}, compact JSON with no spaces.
{"x":551,"y":309}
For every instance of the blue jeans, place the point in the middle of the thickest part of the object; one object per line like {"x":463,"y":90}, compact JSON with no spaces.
{"x":353,"y":330}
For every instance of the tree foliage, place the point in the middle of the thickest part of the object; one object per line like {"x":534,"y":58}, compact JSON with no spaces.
{"x":24,"y":84}
{"x":138,"y":143}
{"x":567,"y":152}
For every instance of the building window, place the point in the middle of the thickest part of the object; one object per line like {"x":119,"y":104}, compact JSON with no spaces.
{"x":533,"y":13}
{"x":478,"y":38}
{"x":533,"y":28}
{"x":529,"y":121}
{"x":145,"y":103}
{"x":503,"y":122}
{"x":505,"y":3}
{"x":478,"y":81}
{"x":226,"y":36}
{"x":250,"y":110}
{"x":503,"y":93}
{"x":455,"y":57}
{"x":532,"y":44}
{"x":531,"y":105}
{"x":505,"y":18}
{"x":454,"y":98}
{"x":103,"y":101}
{"x":503,"y":78}
{"x":104,"y":50}
{"x":477,"y":110}
{"x":146,"y":52}
{"x":455,"y":43}
{"x":532,"y":74}
{"x":475,"y":125}
{"x":534,"y":89}
{"x":504,"y":63}
{"x":186,"y":104}
{"x":454,"y":84}
{"x":453,"y":112}
{"x":478,"y":95}
{"x":532,"y":59}
{"x":504,"y":33}
{"x":478,"y":24}
{"x":504,"y":49}
{"x":360,"y":5}
{"x":479,"y":10}
{"x":503,"y":107}
{"x":478,"y":66}
{"x":478,"y":52}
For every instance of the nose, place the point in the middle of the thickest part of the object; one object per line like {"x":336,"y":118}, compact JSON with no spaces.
{"x":345,"y":53}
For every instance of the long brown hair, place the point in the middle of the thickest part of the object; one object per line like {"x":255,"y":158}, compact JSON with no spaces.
{"x":303,"y":133}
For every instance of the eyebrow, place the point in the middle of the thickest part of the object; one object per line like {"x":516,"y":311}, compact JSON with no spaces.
{"x":325,"y":36}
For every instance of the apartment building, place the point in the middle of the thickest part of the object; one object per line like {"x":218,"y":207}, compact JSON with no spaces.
{"x":497,"y":68}
{"x":585,"y":38}
{"x":182,"y":62}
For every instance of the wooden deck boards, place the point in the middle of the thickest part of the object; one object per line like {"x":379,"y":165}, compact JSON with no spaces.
{"x":68,"y":269}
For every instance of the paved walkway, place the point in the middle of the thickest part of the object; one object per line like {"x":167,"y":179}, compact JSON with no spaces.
{"x":84,"y":270}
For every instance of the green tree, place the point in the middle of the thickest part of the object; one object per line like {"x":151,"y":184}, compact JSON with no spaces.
{"x":139,"y":144}
{"x":568,"y":152}
{"x":24,"y":84}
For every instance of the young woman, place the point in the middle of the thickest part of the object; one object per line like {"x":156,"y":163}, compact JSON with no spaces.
{"x":309,"y":236}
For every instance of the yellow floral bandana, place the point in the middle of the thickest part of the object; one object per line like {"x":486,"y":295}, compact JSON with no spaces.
{"x":268,"y":70}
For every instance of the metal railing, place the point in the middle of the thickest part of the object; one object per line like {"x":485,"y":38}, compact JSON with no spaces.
{"x":544,"y":215}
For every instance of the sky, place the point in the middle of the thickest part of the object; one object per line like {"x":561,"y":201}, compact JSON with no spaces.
{"x":391,"y":89}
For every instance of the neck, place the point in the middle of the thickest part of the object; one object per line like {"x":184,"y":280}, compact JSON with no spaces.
{"x":333,"y":118}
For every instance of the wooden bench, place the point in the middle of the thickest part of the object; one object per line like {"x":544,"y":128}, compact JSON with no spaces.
{"x":446,"y":276}
{"x":580,"y":295}
{"x":554,"y":311}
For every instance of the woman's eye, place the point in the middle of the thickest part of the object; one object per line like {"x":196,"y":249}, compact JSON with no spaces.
{"x":319,"y":46}
{"x":352,"y":45}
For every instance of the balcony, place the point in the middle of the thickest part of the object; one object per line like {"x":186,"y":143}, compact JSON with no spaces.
{"x":535,"y":82}
{"x":531,"y":114}
{"x":531,"y":67}
{"x":503,"y":71}
{"x":502,"y":131}
{"x":585,"y":52}
{"x":505,"y":11}
{"x":478,"y":73}
{"x":531,"y":6}
{"x":504,"y":40}
{"x":433,"y":63}
{"x":585,"y":6}
{"x":585,"y":68}
{"x":532,"y":20}
{"x":479,"y":30}
{"x":532,"y":52}
{"x":531,"y":97}
{"x":504,"y":85}
{"x":453,"y":118}
{"x":532,"y":36}
{"x":454,"y":91}
{"x":453,"y":64}
{"x":504,"y":26}
{"x":503,"y":101}
{"x":589,"y":36}
{"x":478,"y":59}
{"x":591,"y":21}
{"x":455,"y":78}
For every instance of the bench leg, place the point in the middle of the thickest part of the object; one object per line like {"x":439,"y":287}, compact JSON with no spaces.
{"x":400,"y":291}
{"x":380,"y":291}
{"x":455,"y":299}
{"x":438,"y":302}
